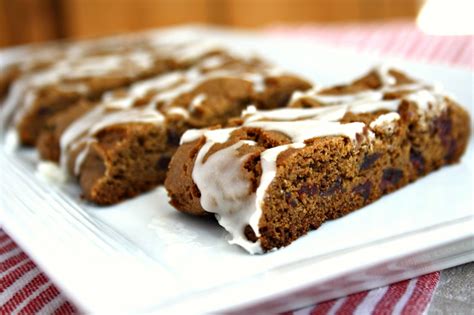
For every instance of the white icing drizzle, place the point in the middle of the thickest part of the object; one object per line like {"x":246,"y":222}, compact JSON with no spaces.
{"x":134,"y":115}
{"x":257,"y":80}
{"x":15,"y":95}
{"x":118,"y":108}
{"x":69,"y":73}
{"x":301,"y":130}
{"x":139,"y":90}
{"x":197,"y":101}
{"x":213,"y":62}
{"x":385,"y":122}
{"x":369,"y":98}
{"x":335,"y":99}
{"x":180,"y":111}
{"x":328,"y":113}
{"x":383,"y":72}
{"x":299,"y":125}
{"x":215,"y":135}
{"x":229,"y":196}
{"x":268,"y":160}
{"x":423,"y":99}
{"x":11,"y":141}
{"x":83,"y":130}
{"x":194,"y":78}
{"x":51,"y":172}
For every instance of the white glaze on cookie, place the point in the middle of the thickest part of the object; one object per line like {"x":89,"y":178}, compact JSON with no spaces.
{"x":299,"y":125}
{"x":226,"y":193}
{"x":164,"y":90}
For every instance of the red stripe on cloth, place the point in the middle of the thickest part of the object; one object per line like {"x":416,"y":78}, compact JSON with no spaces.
{"x":351,"y":303}
{"x":7,"y":247}
{"x":391,"y":42}
{"x":412,"y":47}
{"x":447,"y":50}
{"x":421,"y":296}
{"x":3,"y":236}
{"x":37,"y":303}
{"x":18,"y":266}
{"x":434,"y":53}
{"x":12,"y":261}
{"x":457,"y":51}
{"x":16,"y":274}
{"x":24,"y":293}
{"x":402,"y":39}
{"x":419,"y":47}
{"x":323,"y":308}
{"x":391,"y":298}
{"x":468,"y":52}
{"x":65,"y":309}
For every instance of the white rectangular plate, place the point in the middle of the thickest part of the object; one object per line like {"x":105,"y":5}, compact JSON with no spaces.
{"x":143,"y":256}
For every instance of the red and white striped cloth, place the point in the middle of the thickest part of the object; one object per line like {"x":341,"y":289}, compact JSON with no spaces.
{"x":405,"y":297}
{"x":398,"y":38}
{"x":26,"y":290}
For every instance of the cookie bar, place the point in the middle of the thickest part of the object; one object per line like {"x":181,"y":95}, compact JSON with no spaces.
{"x":284,"y":172}
{"x":122,"y":146}
{"x":27,"y":60}
{"x":35,"y":97}
{"x":140,"y":92}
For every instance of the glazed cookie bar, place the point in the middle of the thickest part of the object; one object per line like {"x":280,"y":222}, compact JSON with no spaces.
{"x":284,"y":172}
{"x":122,"y":146}
{"x":35,"y":97}
{"x":30,"y":59}
{"x":141,"y":92}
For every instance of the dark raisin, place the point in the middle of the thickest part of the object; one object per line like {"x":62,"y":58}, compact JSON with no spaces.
{"x":418,"y":161}
{"x":44,"y":111}
{"x":451,"y":148}
{"x":162,"y":163}
{"x":363,"y":190}
{"x":336,"y":186}
{"x":291,"y":201}
{"x":195,"y":192}
{"x":391,"y":176}
{"x":369,"y":160}
{"x":173,"y":138}
{"x":250,"y":234}
{"x":444,"y":127}
{"x":307,"y":189}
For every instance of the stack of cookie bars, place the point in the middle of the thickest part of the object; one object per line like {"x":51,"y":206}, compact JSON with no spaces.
{"x":268,"y":153}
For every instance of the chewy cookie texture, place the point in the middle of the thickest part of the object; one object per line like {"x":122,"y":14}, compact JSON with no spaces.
{"x":121,"y":146}
{"x":281,"y":173}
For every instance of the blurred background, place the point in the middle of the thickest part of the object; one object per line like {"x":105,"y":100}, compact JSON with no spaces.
{"x":26,"y":21}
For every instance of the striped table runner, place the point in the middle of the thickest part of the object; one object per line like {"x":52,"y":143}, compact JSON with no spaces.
{"x":25,"y":289}
{"x":405,"y":297}
{"x":398,"y":39}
